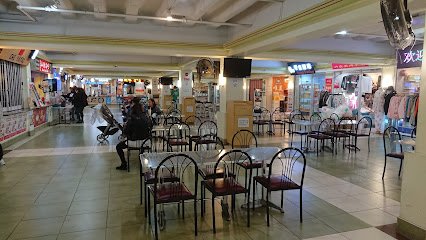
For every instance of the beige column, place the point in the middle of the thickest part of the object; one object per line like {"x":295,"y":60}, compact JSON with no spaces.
{"x":231,"y":89}
{"x":412,"y":218}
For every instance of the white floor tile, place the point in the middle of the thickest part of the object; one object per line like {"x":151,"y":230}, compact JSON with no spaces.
{"x":330,"y":237}
{"x":367,"y":234}
{"x":375,"y":217}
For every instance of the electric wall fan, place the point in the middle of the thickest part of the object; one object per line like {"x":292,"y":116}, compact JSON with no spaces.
{"x":397,"y":21}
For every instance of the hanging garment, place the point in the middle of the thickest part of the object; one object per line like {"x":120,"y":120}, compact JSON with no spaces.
{"x":393,"y":107}
{"x":401,"y":107}
{"x":388,"y":98}
{"x":379,"y":115}
{"x":324,"y":95}
{"x":365,"y":84}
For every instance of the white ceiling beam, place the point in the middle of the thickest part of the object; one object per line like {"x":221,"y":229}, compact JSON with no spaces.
{"x":132,"y":8}
{"x":203,"y":6}
{"x":162,"y":10}
{"x":234,"y":9}
{"x":66,"y":4}
{"x":99,"y":7}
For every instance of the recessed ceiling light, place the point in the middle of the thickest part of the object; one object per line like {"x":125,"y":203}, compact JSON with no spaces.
{"x":342,"y":32}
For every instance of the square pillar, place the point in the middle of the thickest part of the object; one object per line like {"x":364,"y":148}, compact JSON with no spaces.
{"x":412,"y":218}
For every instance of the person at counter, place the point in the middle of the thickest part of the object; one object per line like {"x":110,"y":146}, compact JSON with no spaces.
{"x":137,"y":127}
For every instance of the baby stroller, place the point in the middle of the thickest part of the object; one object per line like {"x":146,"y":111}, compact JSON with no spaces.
{"x":112,"y":126}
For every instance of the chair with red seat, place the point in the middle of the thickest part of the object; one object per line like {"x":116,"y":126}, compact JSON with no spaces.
{"x":230,"y":182}
{"x":323,"y":133}
{"x":287,"y":165}
{"x":393,"y":147}
{"x":178,"y":136}
{"x":185,"y":169}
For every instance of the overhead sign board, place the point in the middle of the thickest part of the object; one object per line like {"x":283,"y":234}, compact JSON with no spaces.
{"x":410,"y":57}
{"x":20,"y":56}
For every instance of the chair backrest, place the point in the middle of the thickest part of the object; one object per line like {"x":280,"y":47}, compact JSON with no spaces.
{"x":244,"y":139}
{"x":155,"y":144}
{"x":169,"y":120}
{"x":343,"y":126}
{"x":182,"y":168}
{"x":179,"y":131}
{"x":297,"y":117}
{"x":335,"y":117}
{"x":265,"y":114}
{"x":364,"y":126}
{"x":391,"y":138}
{"x":278,"y":115}
{"x":193,"y":121}
{"x":231,"y":163}
{"x":209,"y":142}
{"x":315,"y":117}
{"x":414,"y":132}
{"x":326,"y":126}
{"x":290,"y":163}
{"x":207,"y":127}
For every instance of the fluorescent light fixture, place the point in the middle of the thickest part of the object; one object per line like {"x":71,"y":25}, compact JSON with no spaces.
{"x":34,"y":55}
{"x":169,"y":18}
{"x":342,"y":32}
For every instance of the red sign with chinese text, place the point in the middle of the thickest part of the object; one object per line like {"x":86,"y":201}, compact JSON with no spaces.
{"x":335,"y":66}
{"x":328,"y":84}
{"x":44,"y":66}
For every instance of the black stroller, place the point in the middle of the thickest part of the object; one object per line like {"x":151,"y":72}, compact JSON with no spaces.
{"x":112,"y":126}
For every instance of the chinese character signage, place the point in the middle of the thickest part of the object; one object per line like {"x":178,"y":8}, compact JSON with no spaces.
{"x":19,"y":56}
{"x":278,"y":86}
{"x":336,"y":66}
{"x":328,"y":84}
{"x":410,"y":57}
{"x":44,"y":66}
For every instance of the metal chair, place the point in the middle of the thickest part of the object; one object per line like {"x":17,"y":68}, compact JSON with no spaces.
{"x":391,"y":144}
{"x":178,"y":135}
{"x":363,"y":129}
{"x":326,"y":126}
{"x":298,"y":129}
{"x":229,"y":184}
{"x":278,"y":117}
{"x":262,"y":118}
{"x":289,"y":120}
{"x":284,"y":168}
{"x":185,"y":169}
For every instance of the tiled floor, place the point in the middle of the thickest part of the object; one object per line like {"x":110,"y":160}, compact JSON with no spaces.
{"x":62,"y":184}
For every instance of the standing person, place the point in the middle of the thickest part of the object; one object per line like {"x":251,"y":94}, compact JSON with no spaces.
{"x":1,"y":156}
{"x":80,"y":101}
{"x":137,"y":127}
{"x":154,"y":110}
{"x":175,"y":95}
{"x":70,"y":98}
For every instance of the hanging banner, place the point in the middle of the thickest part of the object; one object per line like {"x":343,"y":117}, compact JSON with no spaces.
{"x":328,"y":84}
{"x":410,"y":57}
{"x":278,"y":86}
{"x":336,"y":66}
{"x":20,"y":56}
{"x":39,"y":116}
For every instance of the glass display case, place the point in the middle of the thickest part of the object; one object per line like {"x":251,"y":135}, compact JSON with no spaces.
{"x":309,"y":90}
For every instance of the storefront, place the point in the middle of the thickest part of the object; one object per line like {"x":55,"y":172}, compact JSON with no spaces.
{"x":13,"y":118}
{"x":282,"y":93}
{"x":40,"y":71}
{"x":407,"y":88}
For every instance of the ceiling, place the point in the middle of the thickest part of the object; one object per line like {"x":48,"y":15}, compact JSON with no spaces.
{"x":135,"y":37}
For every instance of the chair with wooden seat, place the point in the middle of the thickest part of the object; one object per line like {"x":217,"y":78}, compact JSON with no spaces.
{"x":362,"y":129}
{"x":289,"y":122}
{"x":178,"y":136}
{"x":298,"y":129}
{"x":278,"y":118}
{"x":153,"y":144}
{"x":246,"y":139}
{"x":393,"y":147}
{"x":230,"y":182}
{"x":323,"y":133}
{"x":183,"y":168}
{"x":286,"y":172}
{"x":207,"y":130}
